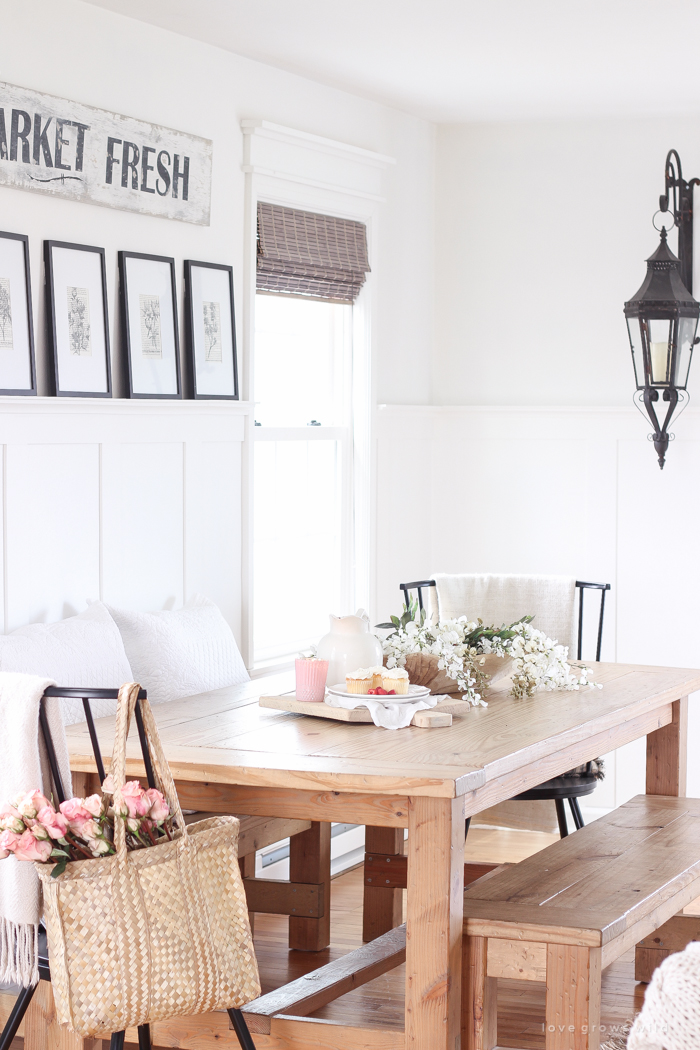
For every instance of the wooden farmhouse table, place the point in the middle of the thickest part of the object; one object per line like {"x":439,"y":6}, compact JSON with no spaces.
{"x":229,"y":755}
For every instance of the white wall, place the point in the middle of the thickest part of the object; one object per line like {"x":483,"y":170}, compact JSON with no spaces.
{"x":542,"y":233}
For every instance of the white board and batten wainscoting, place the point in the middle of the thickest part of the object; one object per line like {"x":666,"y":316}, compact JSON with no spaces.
{"x":135,"y":503}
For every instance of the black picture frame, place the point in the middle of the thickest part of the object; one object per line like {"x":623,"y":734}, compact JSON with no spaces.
{"x":57,"y":351}
{"x":133,"y":382}
{"x":192,"y":350}
{"x":29,"y":391}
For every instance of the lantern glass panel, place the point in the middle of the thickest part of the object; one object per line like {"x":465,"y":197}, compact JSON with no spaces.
{"x":633,"y":327}
{"x":686,"y":337}
{"x":660,"y":348}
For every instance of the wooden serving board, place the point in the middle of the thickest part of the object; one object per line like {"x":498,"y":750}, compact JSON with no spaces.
{"x":431,"y":718}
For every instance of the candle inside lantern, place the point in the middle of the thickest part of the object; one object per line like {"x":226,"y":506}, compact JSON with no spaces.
{"x":659,"y":357}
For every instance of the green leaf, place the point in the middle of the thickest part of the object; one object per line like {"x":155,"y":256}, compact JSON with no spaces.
{"x":59,"y":868}
{"x":385,"y":626}
{"x":396,"y":622}
{"x":59,"y":853}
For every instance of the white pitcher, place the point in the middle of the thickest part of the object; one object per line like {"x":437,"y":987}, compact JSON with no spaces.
{"x":348,"y":645}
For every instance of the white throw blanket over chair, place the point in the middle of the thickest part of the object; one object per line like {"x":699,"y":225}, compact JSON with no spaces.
{"x":500,"y":598}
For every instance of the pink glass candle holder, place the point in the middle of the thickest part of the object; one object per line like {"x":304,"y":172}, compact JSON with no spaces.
{"x":311,"y":680}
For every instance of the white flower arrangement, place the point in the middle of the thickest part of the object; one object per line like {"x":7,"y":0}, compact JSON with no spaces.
{"x":538,"y":662}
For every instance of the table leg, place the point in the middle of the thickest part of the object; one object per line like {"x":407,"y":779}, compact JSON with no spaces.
{"x":434,"y":923}
{"x":667,"y":752}
{"x":382,"y":908}
{"x":310,"y":861}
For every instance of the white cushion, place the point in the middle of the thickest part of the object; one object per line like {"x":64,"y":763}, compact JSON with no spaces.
{"x":84,"y":650}
{"x":180,"y":653}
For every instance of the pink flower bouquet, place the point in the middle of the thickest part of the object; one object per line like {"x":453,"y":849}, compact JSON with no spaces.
{"x":32,"y":829}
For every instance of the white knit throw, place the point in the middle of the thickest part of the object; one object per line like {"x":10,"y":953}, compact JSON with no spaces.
{"x":670,"y":1017}
{"x":23,"y":768}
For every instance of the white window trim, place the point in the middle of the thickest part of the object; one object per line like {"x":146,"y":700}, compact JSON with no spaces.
{"x":296,"y":169}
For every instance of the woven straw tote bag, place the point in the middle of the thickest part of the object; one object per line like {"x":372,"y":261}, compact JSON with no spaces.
{"x":154,"y":933}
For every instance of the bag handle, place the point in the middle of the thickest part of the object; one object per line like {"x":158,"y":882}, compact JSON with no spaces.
{"x":126,"y":705}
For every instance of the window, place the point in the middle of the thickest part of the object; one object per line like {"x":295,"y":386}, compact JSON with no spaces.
{"x":310,"y":270}
{"x":302,"y":472}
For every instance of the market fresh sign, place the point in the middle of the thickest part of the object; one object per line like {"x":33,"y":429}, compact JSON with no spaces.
{"x":69,"y":150}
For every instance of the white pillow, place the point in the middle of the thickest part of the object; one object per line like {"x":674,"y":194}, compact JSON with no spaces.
{"x":84,"y":650}
{"x":180,"y":653}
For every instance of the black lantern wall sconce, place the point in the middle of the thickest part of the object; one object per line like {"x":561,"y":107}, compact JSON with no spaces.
{"x":662,"y":318}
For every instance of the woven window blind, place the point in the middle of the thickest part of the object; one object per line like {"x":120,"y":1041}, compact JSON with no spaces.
{"x":304,"y":254}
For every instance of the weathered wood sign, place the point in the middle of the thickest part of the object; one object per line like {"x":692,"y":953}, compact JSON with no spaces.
{"x":71,"y":150}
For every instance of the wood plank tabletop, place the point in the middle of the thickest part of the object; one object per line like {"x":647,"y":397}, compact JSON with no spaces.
{"x":225,"y":737}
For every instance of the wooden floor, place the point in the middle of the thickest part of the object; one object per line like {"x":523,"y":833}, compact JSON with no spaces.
{"x":520,"y":1004}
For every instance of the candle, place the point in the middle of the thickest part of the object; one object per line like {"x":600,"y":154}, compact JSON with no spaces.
{"x":659,"y":356}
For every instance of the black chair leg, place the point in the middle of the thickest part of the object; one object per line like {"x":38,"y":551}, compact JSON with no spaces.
{"x":117,"y":1041}
{"x":15,"y":1019}
{"x":561,"y":817}
{"x":241,"y":1029}
{"x":576,"y":813}
{"x":467,"y":822}
{"x":144,"y":1037}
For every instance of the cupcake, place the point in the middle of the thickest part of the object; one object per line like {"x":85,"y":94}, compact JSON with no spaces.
{"x":360,"y":681}
{"x":395,"y":678}
{"x":377,"y":673}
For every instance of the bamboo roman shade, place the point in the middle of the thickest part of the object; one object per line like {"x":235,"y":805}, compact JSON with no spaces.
{"x":303,"y":254}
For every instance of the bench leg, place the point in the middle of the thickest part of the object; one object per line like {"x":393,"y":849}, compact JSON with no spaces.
{"x":479,"y":995}
{"x":573,"y":998}
{"x":382,"y":908}
{"x":675,"y":935}
{"x":310,"y":861}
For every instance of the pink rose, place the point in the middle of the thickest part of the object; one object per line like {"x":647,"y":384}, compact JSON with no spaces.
{"x":159,"y":807}
{"x":32,"y":802}
{"x":8,"y":841}
{"x":74,"y":811}
{"x":135,"y":799}
{"x":29,"y":848}
{"x":8,"y":810}
{"x":55,"y":823}
{"x":93,"y":804}
{"x":98,"y":847}
{"x":108,"y":785}
{"x":86,"y":829}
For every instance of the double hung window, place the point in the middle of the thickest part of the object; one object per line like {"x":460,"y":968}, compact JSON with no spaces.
{"x":311,"y":269}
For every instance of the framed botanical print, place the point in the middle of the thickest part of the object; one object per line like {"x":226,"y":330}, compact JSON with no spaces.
{"x":211,"y":330}
{"x":17,"y":367}
{"x":77,"y":320}
{"x":149,"y":325}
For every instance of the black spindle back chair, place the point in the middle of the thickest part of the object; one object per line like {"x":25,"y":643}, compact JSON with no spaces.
{"x":570,"y":786}
{"x":25,"y":996}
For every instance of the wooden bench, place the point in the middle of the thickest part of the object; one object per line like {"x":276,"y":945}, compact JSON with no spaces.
{"x":566,"y":913}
